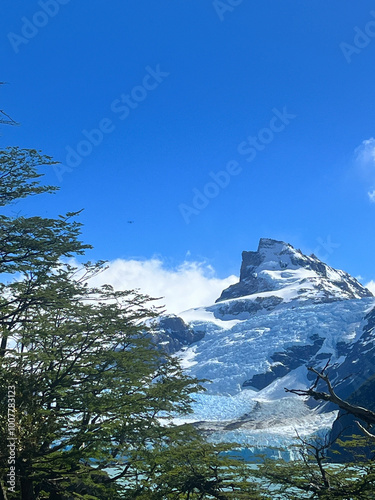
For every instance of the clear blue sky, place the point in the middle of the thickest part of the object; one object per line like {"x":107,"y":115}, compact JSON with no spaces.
{"x":221,"y":73}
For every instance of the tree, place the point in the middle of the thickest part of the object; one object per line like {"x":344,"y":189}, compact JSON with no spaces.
{"x":92,"y":401}
{"x":314,"y":475}
{"x":29,"y":247}
{"x":189,"y":468}
{"x":88,"y":386}
{"x":5,"y":119}
{"x":364,"y":414}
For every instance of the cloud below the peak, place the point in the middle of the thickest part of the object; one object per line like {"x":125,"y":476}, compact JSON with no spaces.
{"x":188,"y":285}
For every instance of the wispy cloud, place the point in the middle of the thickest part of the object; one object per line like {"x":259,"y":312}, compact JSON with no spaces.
{"x":190,"y":284}
{"x":371,"y":196}
{"x":371,"y":286}
{"x":365,"y":156}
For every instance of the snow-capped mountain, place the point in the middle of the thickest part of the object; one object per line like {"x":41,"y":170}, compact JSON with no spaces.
{"x":278,"y":273}
{"x":288,"y":311}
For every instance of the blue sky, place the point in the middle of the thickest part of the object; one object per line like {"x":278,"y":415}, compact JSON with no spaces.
{"x":179,"y":90}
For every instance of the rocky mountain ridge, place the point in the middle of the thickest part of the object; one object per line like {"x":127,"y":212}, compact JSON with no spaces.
{"x":277,"y":266}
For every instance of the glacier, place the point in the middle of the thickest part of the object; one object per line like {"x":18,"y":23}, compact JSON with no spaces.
{"x":288,"y":311}
{"x":229,"y":356}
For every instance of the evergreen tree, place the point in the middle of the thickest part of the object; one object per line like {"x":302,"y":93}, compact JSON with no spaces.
{"x":93,"y":399}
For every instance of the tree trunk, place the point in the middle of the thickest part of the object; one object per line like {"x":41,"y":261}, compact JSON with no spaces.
{"x":27,"y":489}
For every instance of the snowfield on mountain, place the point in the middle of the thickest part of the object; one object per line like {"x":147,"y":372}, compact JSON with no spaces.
{"x":288,"y":311}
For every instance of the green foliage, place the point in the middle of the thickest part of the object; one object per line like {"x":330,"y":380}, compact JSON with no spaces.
{"x":94,"y":399}
{"x":312,"y":476}
{"x":186,"y":467}
{"x":19,"y":176}
{"x":88,"y":384}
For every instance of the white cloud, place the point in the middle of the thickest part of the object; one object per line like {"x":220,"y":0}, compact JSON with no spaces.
{"x":365,"y":155}
{"x":191,"y":284}
{"x":371,"y":286}
{"x":372,"y":196}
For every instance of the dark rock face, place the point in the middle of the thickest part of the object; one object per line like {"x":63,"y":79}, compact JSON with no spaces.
{"x":344,"y":428}
{"x":250,"y":260}
{"x":239,"y":308}
{"x":359,"y":365}
{"x":173,"y":333}
{"x":273,"y":255}
{"x":355,"y":383}
{"x":284,"y":362}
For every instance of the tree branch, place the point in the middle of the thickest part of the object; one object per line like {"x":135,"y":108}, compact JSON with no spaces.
{"x":365,"y":431}
{"x":363,"y":413}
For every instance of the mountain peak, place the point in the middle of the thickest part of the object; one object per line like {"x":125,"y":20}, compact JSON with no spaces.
{"x":271,"y":243}
{"x":272,"y":255}
{"x":277,"y":265}
{"x":268,"y":247}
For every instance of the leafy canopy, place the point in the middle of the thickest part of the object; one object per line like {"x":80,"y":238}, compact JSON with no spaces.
{"x":94,"y":399}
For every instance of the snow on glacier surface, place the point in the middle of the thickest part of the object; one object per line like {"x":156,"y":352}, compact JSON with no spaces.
{"x":201,"y":314}
{"x":283,"y":436}
{"x":230,"y":356}
{"x":233,"y":351}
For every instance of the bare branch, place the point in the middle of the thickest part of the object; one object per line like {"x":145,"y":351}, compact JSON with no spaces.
{"x":363,"y":413}
{"x":365,"y":431}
